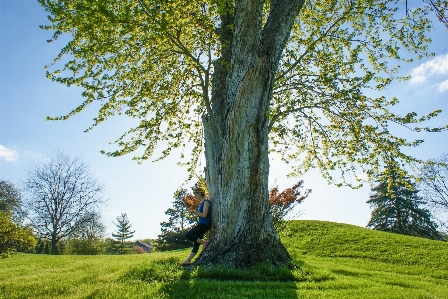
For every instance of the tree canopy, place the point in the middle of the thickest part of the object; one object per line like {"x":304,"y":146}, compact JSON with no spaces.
{"x":237,"y":80}
{"x":163,"y":62}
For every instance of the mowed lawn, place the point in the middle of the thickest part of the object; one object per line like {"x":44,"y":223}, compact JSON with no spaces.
{"x":336,"y":261}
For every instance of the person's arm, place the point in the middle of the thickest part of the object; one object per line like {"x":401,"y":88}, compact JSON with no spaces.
{"x":204,"y":210}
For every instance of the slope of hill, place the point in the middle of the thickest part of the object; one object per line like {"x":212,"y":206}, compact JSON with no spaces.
{"x":336,"y":260}
{"x":328,"y":239}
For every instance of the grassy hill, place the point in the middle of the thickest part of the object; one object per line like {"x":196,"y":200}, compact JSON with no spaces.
{"x":336,"y":261}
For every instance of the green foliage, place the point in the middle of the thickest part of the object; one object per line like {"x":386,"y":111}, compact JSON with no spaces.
{"x":43,"y":246}
{"x":179,"y":222}
{"x":440,"y":8}
{"x":92,"y":246}
{"x":123,"y":233}
{"x":338,"y":261}
{"x":11,"y":201}
{"x":171,"y":240}
{"x":156,"y":61}
{"x":88,"y":239}
{"x":396,"y":206}
{"x":14,"y":237}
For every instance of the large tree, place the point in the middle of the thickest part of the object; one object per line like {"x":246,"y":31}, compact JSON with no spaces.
{"x":397,"y":205}
{"x":62,"y":197}
{"x":236,"y":79}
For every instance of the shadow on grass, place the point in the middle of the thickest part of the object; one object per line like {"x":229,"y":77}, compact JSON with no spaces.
{"x":219,"y":282}
{"x":350,"y":273}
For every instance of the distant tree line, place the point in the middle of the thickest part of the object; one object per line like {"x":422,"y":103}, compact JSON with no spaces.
{"x":60,"y":212}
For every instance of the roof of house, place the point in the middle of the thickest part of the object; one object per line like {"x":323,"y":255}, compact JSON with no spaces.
{"x":141,"y":244}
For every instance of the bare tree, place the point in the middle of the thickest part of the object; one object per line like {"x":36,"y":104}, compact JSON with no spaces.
{"x":434,"y":184}
{"x":63,"y":196}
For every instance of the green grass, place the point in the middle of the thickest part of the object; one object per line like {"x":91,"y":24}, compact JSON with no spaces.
{"x":336,"y":260}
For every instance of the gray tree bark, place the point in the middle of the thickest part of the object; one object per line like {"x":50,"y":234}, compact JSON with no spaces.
{"x":236,"y":136}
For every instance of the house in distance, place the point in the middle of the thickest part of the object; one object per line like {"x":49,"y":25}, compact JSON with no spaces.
{"x":145,"y":246}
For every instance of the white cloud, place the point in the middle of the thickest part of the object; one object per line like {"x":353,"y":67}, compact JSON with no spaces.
{"x":443,"y":86}
{"x":436,"y":66}
{"x":8,"y":154}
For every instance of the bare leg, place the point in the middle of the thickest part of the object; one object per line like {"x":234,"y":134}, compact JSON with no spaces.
{"x":204,"y":243}
{"x":188,"y":260}
{"x":201,"y":241}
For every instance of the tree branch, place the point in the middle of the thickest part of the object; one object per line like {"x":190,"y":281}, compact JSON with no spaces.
{"x":277,"y":29}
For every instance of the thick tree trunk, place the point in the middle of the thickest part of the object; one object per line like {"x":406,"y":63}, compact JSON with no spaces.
{"x":237,"y":175}
{"x":236,"y":136}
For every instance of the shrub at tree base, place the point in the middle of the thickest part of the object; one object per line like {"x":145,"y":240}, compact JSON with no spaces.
{"x":43,"y":246}
{"x":282,"y":203}
{"x":14,"y":237}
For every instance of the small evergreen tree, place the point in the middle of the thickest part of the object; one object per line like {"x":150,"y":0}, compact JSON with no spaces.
{"x":179,"y":222}
{"x":396,"y":206}
{"x":123,"y":233}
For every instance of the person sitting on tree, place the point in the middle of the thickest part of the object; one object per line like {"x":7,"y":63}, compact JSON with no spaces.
{"x":204,"y":223}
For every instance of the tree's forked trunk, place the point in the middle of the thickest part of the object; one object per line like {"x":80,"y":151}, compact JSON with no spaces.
{"x":237,"y":176}
{"x":236,"y":135}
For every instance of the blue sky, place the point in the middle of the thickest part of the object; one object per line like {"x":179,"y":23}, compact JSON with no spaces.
{"x":145,"y":191}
